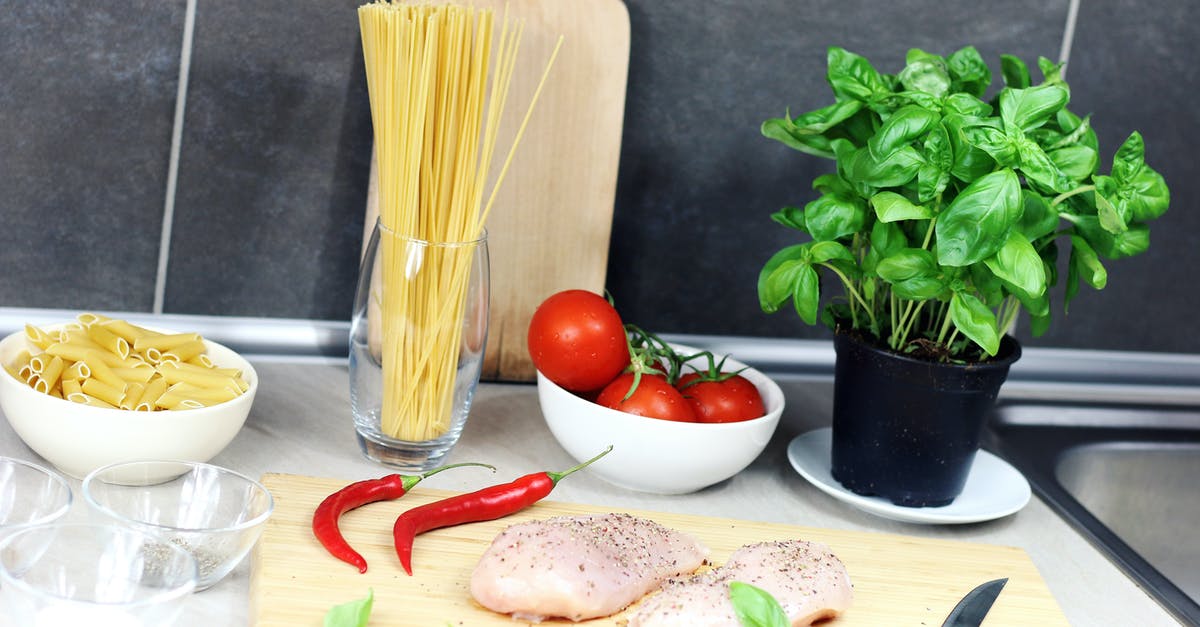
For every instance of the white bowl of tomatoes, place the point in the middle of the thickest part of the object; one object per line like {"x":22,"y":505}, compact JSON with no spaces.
{"x":684,"y":427}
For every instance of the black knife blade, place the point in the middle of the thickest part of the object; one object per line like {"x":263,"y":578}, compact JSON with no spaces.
{"x":972,"y":608}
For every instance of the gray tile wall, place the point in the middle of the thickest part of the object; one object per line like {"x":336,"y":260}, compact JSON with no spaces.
{"x":266,"y":197}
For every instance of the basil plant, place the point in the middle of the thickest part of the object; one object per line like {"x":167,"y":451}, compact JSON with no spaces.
{"x":947,"y":212}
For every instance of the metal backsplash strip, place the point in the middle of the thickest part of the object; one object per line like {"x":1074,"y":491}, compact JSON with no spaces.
{"x":1041,"y":374}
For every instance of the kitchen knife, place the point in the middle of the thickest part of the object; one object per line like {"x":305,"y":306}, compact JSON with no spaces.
{"x":972,"y":608}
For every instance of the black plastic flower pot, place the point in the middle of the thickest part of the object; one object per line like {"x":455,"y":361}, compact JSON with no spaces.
{"x":907,"y":429}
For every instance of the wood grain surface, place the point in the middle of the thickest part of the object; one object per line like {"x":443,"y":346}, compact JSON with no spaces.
{"x":550,"y":227}
{"x":898,"y":580}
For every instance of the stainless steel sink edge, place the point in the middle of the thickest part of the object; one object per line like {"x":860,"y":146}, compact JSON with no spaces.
{"x":1036,"y":451}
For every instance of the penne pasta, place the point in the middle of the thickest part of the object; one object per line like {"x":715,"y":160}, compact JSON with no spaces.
{"x":89,"y":400}
{"x":97,"y":361}
{"x":71,"y":386}
{"x":87,"y":319}
{"x":38,"y":337}
{"x":174,"y":374}
{"x":110,"y":341}
{"x":188,"y":365}
{"x":134,"y":375}
{"x":111,"y":394}
{"x":52,"y":371}
{"x":155,"y":388}
{"x":164,"y":342}
{"x":133,"y":394}
{"x":184,"y":352}
{"x":77,"y":371}
{"x":124,"y":329}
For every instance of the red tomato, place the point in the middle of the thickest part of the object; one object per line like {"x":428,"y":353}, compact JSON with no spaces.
{"x":731,"y":399}
{"x":577,"y":340}
{"x":653,"y":398}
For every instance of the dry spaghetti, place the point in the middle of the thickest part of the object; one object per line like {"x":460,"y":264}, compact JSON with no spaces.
{"x":438,"y":77}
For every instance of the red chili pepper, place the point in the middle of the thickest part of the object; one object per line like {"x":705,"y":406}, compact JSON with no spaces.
{"x":357,"y":494}
{"x":489,"y":503}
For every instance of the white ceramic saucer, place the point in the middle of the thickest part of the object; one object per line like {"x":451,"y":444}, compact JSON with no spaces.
{"x":994,"y":489}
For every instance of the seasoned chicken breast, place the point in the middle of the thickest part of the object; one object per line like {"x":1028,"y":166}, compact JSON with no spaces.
{"x":580,"y":567}
{"x":808,"y":580}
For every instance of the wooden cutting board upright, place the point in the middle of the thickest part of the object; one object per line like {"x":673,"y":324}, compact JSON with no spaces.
{"x":898,"y":580}
{"x":550,"y":227}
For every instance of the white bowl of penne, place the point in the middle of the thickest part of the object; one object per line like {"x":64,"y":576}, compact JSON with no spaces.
{"x":96,"y":391}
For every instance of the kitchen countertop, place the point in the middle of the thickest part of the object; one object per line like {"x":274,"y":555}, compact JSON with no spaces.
{"x":301,"y":424}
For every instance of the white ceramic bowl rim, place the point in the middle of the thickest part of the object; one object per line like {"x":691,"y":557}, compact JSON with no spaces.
{"x":248,"y":373}
{"x":246,"y":524}
{"x":53,"y":476}
{"x":169,"y":594}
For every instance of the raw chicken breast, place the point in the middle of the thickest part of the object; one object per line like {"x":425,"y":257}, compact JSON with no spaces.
{"x":580,"y":567}
{"x":808,"y":580}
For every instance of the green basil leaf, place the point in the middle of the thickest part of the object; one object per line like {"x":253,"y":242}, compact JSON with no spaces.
{"x":938,"y":150}
{"x":973,"y":319}
{"x":1078,"y":162}
{"x":931,"y":181}
{"x":1035,"y":164}
{"x":832,"y":184}
{"x":1130,"y":158}
{"x":1029,"y":108}
{"x":969,"y":71}
{"x":791,"y":217}
{"x":1111,"y":218}
{"x":806,"y":293}
{"x":1146,"y":197}
{"x":919,"y":288}
{"x":830,"y":251}
{"x":1076,"y":131}
{"x":756,"y":607}
{"x":886,"y":239}
{"x":805,"y":132}
{"x":785,"y":132}
{"x":1038,"y":219}
{"x":891,"y":207}
{"x":779,"y":274}
{"x":970,"y":162}
{"x":988,"y":285}
{"x":352,"y":614}
{"x":999,"y":145}
{"x":1018,"y":263}
{"x":852,"y":77}
{"x":924,"y":72}
{"x":1133,"y":241}
{"x":966,"y":104}
{"x":901,"y":128}
{"x":976,"y":223}
{"x":908,"y":263}
{"x":830,"y":216}
{"x":894,"y":171}
{"x":1051,"y":72}
{"x":1015,"y":72}
{"x":1087,"y":262}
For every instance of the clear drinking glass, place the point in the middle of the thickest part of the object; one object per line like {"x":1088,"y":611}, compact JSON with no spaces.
{"x":99,"y":575}
{"x":30,"y":495}
{"x":213,"y":513}
{"x":417,"y":338}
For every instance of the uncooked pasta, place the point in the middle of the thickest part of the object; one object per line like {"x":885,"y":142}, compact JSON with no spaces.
{"x":438,"y":78}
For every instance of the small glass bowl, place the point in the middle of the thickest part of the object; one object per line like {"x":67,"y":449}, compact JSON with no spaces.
{"x":214,"y":513}
{"x":30,"y":495}
{"x":87,"y":574}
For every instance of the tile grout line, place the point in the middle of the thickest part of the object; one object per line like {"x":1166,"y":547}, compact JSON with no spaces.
{"x":164,"y":242}
{"x":1064,"y":53}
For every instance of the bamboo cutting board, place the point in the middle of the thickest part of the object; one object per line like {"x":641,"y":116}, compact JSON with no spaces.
{"x":898,"y":580}
{"x":549,"y":229}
